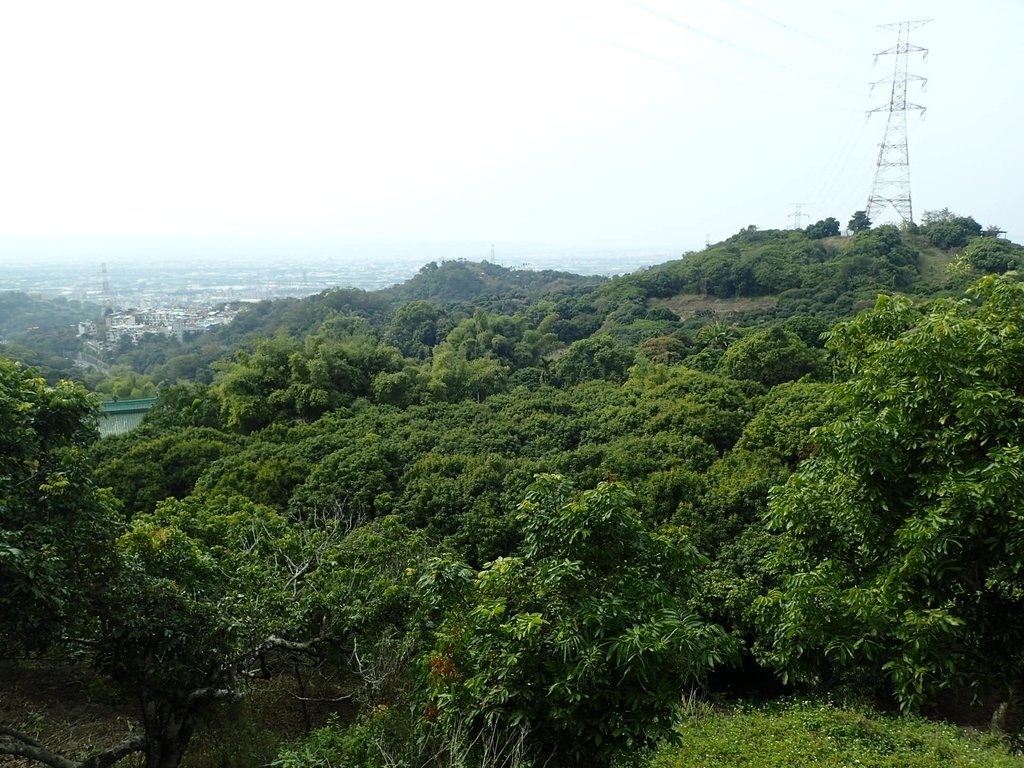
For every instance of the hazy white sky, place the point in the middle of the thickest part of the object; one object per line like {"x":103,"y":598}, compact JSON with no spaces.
{"x":596,"y":123}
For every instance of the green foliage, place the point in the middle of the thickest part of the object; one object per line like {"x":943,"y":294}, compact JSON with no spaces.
{"x":807,"y":276}
{"x":354,"y":483}
{"x":771,"y":356}
{"x":299,"y":497}
{"x":723,"y":517}
{"x":799,"y":734}
{"x":786,"y":417}
{"x":985,"y":255}
{"x":474,"y":360}
{"x":455,"y":281}
{"x":415,"y":328}
{"x":579,"y":645}
{"x":901,"y":533}
{"x":825,"y":228}
{"x":859,"y":222}
{"x":663,"y":349}
{"x":947,"y":230}
{"x":382,"y":738}
{"x":459,"y":499}
{"x":362,"y":598}
{"x":201,"y":586}
{"x":49,"y":355}
{"x":121,"y":383}
{"x":184,"y":405}
{"x":56,"y":527}
{"x":266,"y":472}
{"x":882,"y":256}
{"x":283,"y":381}
{"x":599,"y":357}
{"x":23,"y":317}
{"x":143,"y":472}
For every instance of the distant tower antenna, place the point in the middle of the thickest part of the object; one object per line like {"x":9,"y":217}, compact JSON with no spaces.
{"x":892,"y":171}
{"x":107,"y":297}
{"x":797,"y":216}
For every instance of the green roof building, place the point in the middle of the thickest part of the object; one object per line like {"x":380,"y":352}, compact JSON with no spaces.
{"x":120,"y":416}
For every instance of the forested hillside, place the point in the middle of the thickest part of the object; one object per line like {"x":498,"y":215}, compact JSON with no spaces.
{"x":501,"y":518}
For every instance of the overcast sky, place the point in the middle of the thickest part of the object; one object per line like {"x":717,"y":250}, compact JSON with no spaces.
{"x":592,"y":123}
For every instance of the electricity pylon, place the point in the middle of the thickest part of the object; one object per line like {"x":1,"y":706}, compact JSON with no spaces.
{"x":892,"y":172}
{"x":797,"y":216}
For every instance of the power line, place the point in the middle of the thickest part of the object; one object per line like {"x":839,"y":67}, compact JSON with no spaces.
{"x":789,"y":27}
{"x":841,"y":158}
{"x":814,"y":74}
{"x":729,"y":81}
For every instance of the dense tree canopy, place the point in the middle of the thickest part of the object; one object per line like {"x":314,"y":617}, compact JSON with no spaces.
{"x":57,"y":527}
{"x":579,"y":645}
{"x":374,"y":492}
{"x":902,"y":532}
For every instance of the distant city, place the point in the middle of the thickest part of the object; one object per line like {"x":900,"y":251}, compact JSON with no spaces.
{"x":178,"y":288}
{"x":160,"y":278}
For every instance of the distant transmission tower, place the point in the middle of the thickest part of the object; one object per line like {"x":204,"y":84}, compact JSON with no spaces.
{"x":892,"y":172}
{"x":798,"y":216}
{"x":108,"y":297}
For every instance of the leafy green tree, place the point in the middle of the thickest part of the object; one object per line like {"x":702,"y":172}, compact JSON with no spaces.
{"x":57,"y":528}
{"x":597,"y":357}
{"x":355,"y":483}
{"x":416,"y":328}
{"x":122,"y":383}
{"x":947,"y":230}
{"x":578,"y":647}
{"x":264,"y":471}
{"x":821,"y":229}
{"x":457,"y":498}
{"x":247,"y":383}
{"x":285,"y":381}
{"x":723,"y":517}
{"x":663,"y":349}
{"x":687,"y":402}
{"x":985,"y":255}
{"x":771,"y":356}
{"x":173,"y":609}
{"x":859,"y":222}
{"x":402,"y":388}
{"x":191,"y":606}
{"x":143,"y":471}
{"x":455,"y":378}
{"x":184,"y":405}
{"x":786,"y":417}
{"x":902,"y":533}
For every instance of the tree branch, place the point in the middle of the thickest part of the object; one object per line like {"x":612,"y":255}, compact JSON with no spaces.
{"x":306,"y":646}
{"x":22,"y":745}
{"x":112,"y":754}
{"x":213,"y":694}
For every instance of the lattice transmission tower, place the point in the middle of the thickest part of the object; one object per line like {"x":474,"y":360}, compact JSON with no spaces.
{"x":892,"y":172}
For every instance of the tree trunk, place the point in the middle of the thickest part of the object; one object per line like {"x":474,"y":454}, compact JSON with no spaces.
{"x":168,"y":730}
{"x":1007,"y":719}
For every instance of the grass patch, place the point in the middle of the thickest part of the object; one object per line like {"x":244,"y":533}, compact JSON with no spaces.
{"x":687,"y":305}
{"x":795,"y":734}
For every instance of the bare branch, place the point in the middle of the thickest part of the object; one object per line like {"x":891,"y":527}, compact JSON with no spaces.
{"x":213,"y":694}
{"x":111,"y":755}
{"x":306,"y":646}
{"x":346,"y":697}
{"x":23,"y":745}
